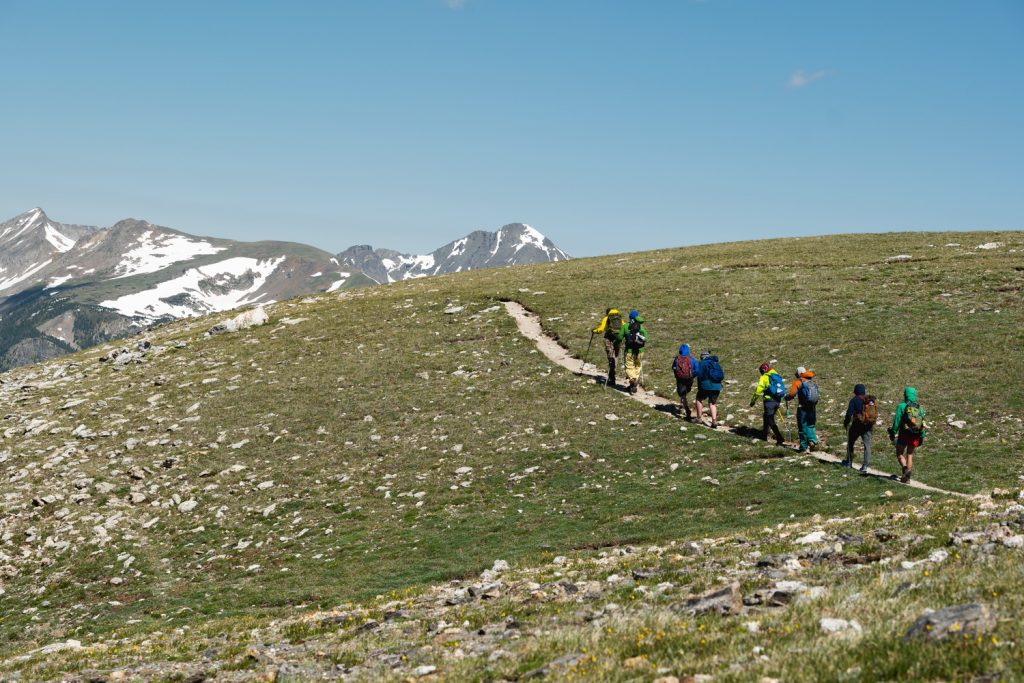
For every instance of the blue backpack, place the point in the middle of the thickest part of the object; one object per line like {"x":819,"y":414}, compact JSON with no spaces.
{"x":808,"y":393}
{"x":776,"y":386}
{"x":715,"y":372}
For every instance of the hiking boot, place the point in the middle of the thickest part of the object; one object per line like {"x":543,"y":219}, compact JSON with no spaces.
{"x":714,"y":425}
{"x":863,"y":471}
{"x":906,"y":476}
{"x":813,"y":446}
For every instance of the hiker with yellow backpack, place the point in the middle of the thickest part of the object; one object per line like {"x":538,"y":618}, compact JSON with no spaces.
{"x":611,"y":329}
{"x":907,"y":431}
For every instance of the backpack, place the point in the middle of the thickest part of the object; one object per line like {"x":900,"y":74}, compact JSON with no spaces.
{"x":613,"y":326}
{"x":635,"y":339}
{"x":683,"y":367}
{"x":715,"y":372}
{"x":808,"y":392}
{"x":776,"y":386}
{"x":870,"y":414}
{"x":913,"y":418}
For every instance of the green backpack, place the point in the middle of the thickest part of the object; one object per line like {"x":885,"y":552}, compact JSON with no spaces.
{"x":913,"y":418}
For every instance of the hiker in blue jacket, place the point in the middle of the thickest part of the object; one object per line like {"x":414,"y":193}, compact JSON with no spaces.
{"x":684,"y":367}
{"x":709,"y":386}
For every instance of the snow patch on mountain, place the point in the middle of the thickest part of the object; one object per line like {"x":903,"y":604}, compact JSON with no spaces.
{"x":24,"y":275}
{"x":59,"y":240}
{"x":156,"y":251}
{"x":206,"y":289}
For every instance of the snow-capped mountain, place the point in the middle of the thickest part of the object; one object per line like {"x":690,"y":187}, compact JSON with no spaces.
{"x":30,"y":243}
{"x":64,"y":287}
{"x":512,"y":244}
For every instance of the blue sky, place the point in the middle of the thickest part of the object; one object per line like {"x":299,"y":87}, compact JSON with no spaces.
{"x":608,"y":125}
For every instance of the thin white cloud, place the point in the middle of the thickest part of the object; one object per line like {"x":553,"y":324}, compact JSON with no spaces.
{"x":802,"y":79}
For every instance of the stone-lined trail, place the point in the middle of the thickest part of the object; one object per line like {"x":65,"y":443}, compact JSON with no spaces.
{"x":529,"y":326}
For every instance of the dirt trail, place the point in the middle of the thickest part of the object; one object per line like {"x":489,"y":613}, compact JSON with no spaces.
{"x":529,"y":326}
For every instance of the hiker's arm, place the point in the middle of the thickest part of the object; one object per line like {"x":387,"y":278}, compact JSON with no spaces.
{"x":762,"y":384}
{"x":791,"y":394}
{"x":849,"y":414}
{"x":897,"y":418}
{"x":600,"y":328}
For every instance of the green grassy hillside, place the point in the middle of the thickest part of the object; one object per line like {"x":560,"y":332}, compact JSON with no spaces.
{"x":370,"y":441}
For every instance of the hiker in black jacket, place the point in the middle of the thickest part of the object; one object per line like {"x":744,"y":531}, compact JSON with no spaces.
{"x":859,"y":422}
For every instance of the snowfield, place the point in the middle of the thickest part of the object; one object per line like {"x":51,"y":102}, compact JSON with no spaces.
{"x":208,"y":289}
{"x":157,"y":252}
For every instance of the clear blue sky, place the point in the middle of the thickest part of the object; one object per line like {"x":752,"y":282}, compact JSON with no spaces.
{"x":608,"y":125}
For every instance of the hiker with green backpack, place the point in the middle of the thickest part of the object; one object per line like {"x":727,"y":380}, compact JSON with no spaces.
{"x":772,"y":389}
{"x":907,"y":431}
{"x":805,"y":390}
{"x":684,"y":367}
{"x":611,"y":328}
{"x":634,"y":338}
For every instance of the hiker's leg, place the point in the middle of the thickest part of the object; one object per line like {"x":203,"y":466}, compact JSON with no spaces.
{"x":700,"y":409}
{"x":811,"y":421}
{"x":899,"y":455}
{"x":866,"y":438}
{"x":851,"y":441}
{"x":770,"y":408}
{"x":801,"y":428}
{"x":713,"y":402}
{"x":613,"y":358}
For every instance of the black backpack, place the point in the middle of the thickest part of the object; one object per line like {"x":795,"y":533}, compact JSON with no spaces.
{"x":613,"y":327}
{"x":635,"y":339}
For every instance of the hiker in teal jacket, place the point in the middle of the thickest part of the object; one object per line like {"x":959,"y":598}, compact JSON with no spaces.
{"x":907,"y":431}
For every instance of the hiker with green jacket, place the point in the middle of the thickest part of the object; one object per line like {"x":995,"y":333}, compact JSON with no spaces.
{"x":634,"y":337}
{"x":907,"y":431}
{"x":611,"y":329}
{"x":772,"y":389}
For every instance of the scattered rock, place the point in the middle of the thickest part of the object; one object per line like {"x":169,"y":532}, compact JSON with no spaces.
{"x":721,"y":601}
{"x":971,"y":619}
{"x":840,"y":626}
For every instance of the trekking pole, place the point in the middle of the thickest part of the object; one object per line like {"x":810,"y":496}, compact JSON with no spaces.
{"x":586,"y":356}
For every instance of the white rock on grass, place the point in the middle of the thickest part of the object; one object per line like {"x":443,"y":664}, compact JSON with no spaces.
{"x":188,"y":506}
{"x":840,"y":626}
{"x":813,"y":537}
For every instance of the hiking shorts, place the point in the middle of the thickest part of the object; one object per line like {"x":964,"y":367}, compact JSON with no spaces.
{"x":907,"y":440}
{"x":683,"y":386}
{"x":709,"y":395}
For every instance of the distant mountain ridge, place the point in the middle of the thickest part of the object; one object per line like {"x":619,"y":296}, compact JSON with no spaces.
{"x":64,"y":287}
{"x":512,"y":244}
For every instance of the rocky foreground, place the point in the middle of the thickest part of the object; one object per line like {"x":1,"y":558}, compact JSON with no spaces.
{"x":927,"y":585}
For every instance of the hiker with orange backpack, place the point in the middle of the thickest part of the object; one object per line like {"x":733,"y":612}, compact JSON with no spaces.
{"x":805,"y":390}
{"x":907,"y":431}
{"x":772,"y":389}
{"x":684,"y":367}
{"x":861,"y":414}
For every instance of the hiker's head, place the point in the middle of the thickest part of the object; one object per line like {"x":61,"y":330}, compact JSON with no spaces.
{"x":684,"y":350}
{"x":763,"y":368}
{"x":860,"y":390}
{"x":800,"y":371}
{"x":633,"y":315}
{"x":910,"y":394}
{"x":705,"y":354}
{"x":608,"y":310}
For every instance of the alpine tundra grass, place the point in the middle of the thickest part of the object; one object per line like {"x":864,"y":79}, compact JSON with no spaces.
{"x":375,"y":442}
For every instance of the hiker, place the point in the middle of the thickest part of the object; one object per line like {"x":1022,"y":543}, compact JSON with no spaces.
{"x":684,"y":367}
{"x":907,"y":431}
{"x":634,"y":337}
{"x":709,"y":386}
{"x":805,"y":390}
{"x":772,"y":388}
{"x":611,"y":327}
{"x":859,"y":422}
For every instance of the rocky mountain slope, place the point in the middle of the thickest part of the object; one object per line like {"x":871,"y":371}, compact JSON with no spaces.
{"x":512,"y":244}
{"x":232,"y":505}
{"x":66,"y":287}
